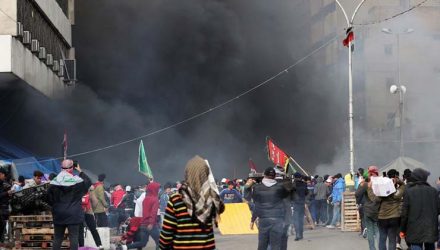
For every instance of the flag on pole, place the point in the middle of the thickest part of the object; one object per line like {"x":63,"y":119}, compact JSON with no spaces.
{"x":144,"y":168}
{"x":349,"y":38}
{"x":64,"y":145}
{"x":252,"y":166}
{"x":276,"y":154}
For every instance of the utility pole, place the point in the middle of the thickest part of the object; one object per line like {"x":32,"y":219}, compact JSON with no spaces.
{"x":350,"y":81}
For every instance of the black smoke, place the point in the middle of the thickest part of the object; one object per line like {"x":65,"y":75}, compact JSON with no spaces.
{"x":144,"y":65}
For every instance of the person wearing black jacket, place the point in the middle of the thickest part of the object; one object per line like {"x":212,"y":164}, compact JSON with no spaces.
{"x":421,"y":207}
{"x":299,"y":203}
{"x":269,"y":197}
{"x":5,"y":193}
{"x":65,"y":196}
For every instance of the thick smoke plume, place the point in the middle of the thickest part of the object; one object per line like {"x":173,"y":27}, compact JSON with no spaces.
{"x":144,"y":65}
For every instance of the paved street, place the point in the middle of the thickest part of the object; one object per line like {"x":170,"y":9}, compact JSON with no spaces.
{"x":321,"y":238}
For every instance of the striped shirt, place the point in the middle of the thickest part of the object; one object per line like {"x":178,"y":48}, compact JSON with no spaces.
{"x":181,"y":231}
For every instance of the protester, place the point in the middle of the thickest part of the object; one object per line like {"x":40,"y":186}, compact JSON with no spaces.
{"x":89,"y":219}
{"x":389,"y":212}
{"x":370,"y":208}
{"x":299,"y":200}
{"x":36,"y":180}
{"x":163,"y":200}
{"x":100,"y":208}
{"x":192,"y":210}
{"x":118,"y":206}
{"x":338,"y":189}
{"x":269,"y":196}
{"x":128,"y":202}
{"x":360,"y":198}
{"x":5,"y":192}
{"x":230,"y":194}
{"x":65,"y":195}
{"x":421,"y":207}
{"x":19,"y":185}
{"x":321,"y":192}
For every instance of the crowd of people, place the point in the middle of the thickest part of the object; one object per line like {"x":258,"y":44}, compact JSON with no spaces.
{"x":182,"y":215}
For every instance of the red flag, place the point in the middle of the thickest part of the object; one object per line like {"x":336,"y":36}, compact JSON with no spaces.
{"x":276,"y":154}
{"x":252,"y":166}
{"x":64,"y":145}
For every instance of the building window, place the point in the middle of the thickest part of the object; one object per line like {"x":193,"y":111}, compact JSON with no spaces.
{"x":388,"y":49}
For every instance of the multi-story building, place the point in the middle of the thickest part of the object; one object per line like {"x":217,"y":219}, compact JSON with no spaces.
{"x":400,"y":51}
{"x":36,"y":44}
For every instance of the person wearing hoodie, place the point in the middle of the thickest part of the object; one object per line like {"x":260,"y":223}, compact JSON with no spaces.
{"x":321,"y":192}
{"x":389,"y":212}
{"x":116,"y":200}
{"x":65,"y":196}
{"x":421,"y":207}
{"x":269,"y":198}
{"x":337,"y":192}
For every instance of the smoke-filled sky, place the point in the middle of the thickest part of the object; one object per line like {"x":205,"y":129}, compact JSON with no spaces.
{"x":143,"y":65}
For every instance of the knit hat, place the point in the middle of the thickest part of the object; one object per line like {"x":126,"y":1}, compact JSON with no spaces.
{"x":270,"y":172}
{"x":420,"y":174}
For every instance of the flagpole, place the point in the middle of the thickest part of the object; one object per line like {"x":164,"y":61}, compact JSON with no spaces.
{"x":296,"y":163}
{"x":350,"y":82}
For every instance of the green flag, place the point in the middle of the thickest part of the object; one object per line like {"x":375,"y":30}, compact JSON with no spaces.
{"x":144,"y":168}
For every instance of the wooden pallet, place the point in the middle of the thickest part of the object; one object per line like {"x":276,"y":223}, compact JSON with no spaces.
{"x":34,"y":232}
{"x":350,"y":220}
{"x":31,"y":218}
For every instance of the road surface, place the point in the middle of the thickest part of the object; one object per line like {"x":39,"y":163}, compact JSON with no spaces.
{"x":320,"y":238}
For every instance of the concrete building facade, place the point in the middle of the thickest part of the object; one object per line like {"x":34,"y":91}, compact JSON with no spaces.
{"x":36,"y":44}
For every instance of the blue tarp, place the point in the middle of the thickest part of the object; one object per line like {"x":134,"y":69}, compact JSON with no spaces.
{"x":27,"y":166}
{"x":25,"y":162}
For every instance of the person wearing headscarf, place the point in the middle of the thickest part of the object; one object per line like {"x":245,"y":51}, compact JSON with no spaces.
{"x":192,"y":211}
{"x":421,"y":207}
{"x":65,"y":196}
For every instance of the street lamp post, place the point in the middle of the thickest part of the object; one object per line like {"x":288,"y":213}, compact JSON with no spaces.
{"x":401,"y":89}
{"x":350,"y":81}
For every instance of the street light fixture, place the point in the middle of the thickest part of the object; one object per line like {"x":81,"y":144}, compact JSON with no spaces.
{"x":399,"y":89}
{"x":394,"y":89}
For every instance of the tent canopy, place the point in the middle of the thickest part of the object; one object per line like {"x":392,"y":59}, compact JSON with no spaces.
{"x":402,"y":163}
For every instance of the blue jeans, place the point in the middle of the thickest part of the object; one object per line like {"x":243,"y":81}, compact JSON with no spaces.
{"x":336,"y":213}
{"x":270,"y":231}
{"x":372,"y":232}
{"x":428,"y":246}
{"x":313,"y":210}
{"x":321,"y":209}
{"x":298,"y":219}
{"x":142,"y":235}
